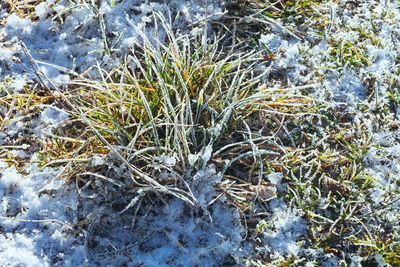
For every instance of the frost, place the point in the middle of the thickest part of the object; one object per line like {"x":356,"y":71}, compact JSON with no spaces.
{"x":43,"y":9}
{"x":20,"y":193}
{"x":97,"y":160}
{"x":283,"y":230}
{"x":53,"y":115}
{"x":272,"y":42}
{"x":177,"y":234}
{"x":78,"y":41}
{"x":5,"y":54}
{"x":49,"y":119}
{"x":192,"y":158}
{"x":276,"y":179}
{"x":206,"y":154}
{"x":166,"y":160}
{"x":13,"y":246}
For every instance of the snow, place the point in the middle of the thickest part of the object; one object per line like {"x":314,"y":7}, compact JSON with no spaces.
{"x":53,"y":115}
{"x":43,"y":9}
{"x":75,"y":42}
{"x":38,"y":211}
{"x":27,"y":242}
{"x":282,"y":231}
{"x":19,"y":250}
{"x":167,"y":160}
{"x":276,"y":178}
{"x":172,"y":233}
{"x":273,"y":42}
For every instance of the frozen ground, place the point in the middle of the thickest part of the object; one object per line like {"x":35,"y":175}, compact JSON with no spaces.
{"x":73,"y":36}
{"x":45,"y":222}
{"x":41,"y":216}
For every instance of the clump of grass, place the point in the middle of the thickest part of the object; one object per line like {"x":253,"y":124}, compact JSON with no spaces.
{"x":178,"y":106}
{"x":329,"y":181}
{"x":21,"y":107}
{"x":173,"y":91}
{"x":171,"y":99}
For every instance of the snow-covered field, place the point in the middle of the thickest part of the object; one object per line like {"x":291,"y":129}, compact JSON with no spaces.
{"x":330,"y":198}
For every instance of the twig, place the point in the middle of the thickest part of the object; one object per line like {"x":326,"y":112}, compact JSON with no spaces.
{"x":381,"y":208}
{"x":220,"y":195}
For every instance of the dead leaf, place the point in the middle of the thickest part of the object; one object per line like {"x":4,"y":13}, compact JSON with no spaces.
{"x":333,"y":186}
{"x":267,"y":191}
